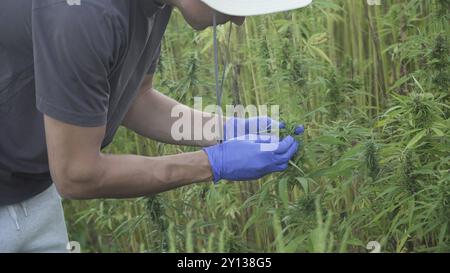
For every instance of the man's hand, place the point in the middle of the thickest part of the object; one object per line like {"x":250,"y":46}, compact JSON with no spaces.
{"x":236,"y":127}
{"x":250,"y":158}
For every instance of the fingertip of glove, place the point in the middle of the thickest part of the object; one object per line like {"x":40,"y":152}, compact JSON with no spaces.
{"x":289,"y":139}
{"x":284,"y":167}
{"x":299,"y":130}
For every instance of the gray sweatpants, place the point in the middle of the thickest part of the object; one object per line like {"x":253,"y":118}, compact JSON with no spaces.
{"x":36,"y":225}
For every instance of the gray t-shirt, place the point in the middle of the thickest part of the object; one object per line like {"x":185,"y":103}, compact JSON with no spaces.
{"x":78,"y":61}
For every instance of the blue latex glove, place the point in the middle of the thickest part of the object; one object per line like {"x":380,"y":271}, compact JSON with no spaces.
{"x":236,"y":127}
{"x":299,"y":130}
{"x":242,"y":160}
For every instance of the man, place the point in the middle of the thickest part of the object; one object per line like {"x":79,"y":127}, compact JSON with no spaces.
{"x":72,"y":72}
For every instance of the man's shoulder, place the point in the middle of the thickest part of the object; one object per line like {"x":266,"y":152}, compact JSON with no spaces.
{"x":37,"y":4}
{"x":109,"y":7}
{"x":86,"y":12}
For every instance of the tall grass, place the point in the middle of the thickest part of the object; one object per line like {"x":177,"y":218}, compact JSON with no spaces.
{"x":371,"y":85}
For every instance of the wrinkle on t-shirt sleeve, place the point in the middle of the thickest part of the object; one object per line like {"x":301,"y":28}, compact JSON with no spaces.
{"x":155,"y":61}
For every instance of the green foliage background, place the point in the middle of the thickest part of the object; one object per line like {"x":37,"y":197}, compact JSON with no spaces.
{"x":371,"y":85}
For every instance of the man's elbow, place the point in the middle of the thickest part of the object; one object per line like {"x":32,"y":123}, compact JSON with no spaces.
{"x":71,"y":191}
{"x":76,"y":183}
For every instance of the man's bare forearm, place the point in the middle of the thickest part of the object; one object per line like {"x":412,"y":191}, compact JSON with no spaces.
{"x":151,"y":116}
{"x":129,"y":176}
{"x":81,"y":171}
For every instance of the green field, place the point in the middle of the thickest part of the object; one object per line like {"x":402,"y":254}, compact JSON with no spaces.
{"x":371,"y":86}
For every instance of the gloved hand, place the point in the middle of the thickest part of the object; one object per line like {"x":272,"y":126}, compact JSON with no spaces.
{"x":241,"y":160}
{"x":236,"y":127}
